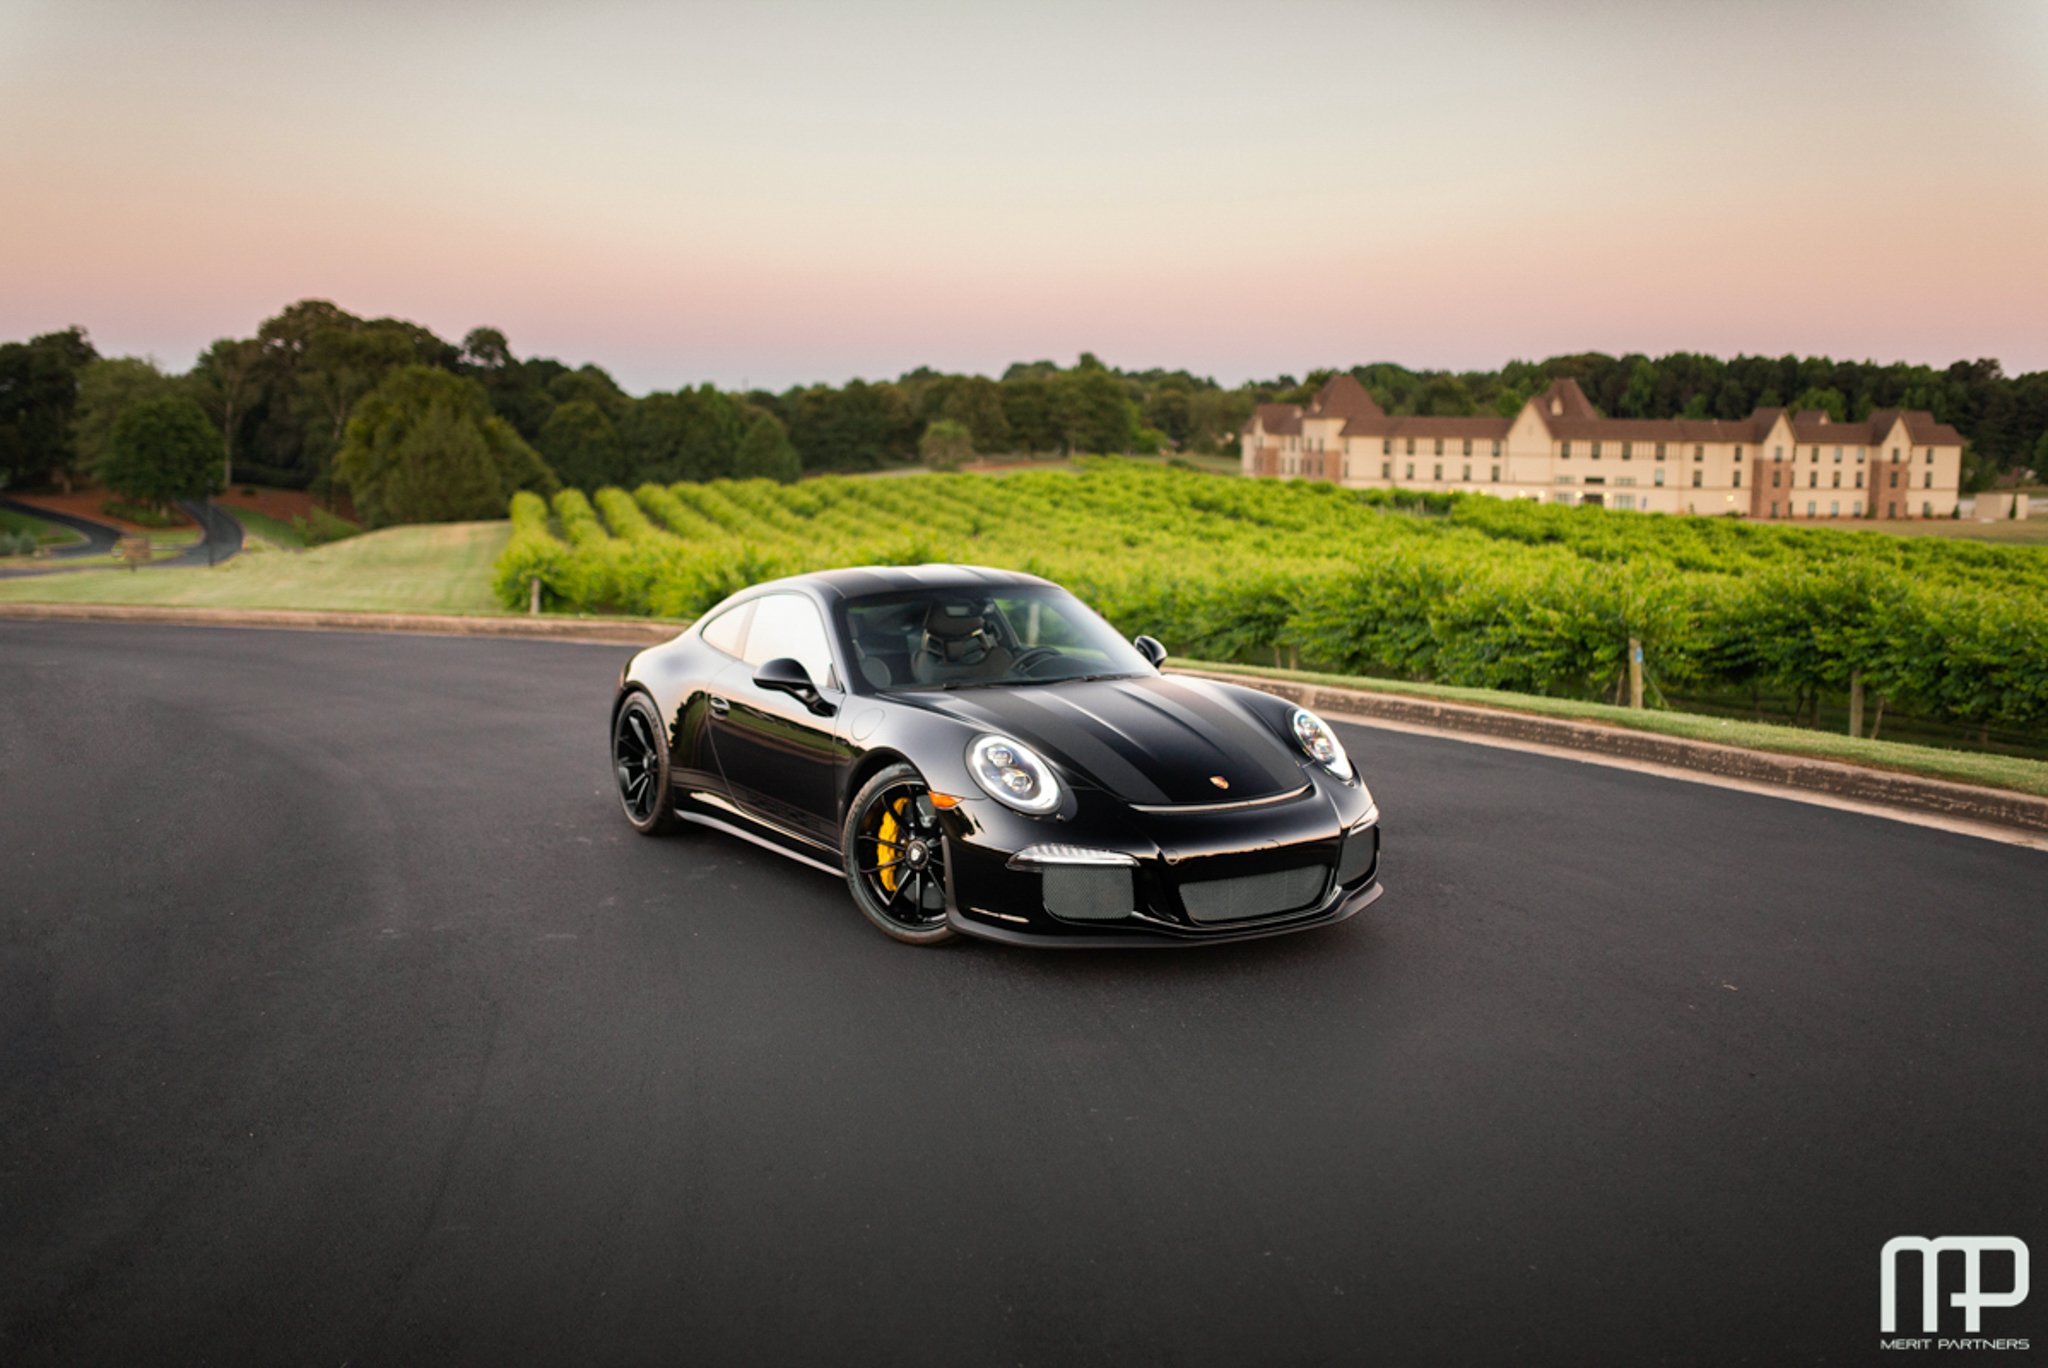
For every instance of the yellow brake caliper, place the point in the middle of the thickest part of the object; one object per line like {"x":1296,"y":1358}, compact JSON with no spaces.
{"x":887,"y":832}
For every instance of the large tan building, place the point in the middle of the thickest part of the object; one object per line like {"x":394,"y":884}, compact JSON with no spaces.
{"x":1898,"y":463}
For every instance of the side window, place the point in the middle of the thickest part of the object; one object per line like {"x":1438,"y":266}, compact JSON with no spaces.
{"x":728,"y":631}
{"x":787,"y":625}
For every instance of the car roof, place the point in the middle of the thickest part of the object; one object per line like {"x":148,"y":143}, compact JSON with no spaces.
{"x":859,"y":581}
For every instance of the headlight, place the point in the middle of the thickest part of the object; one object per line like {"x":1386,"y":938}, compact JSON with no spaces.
{"x":1320,"y":744}
{"x":1013,"y":775}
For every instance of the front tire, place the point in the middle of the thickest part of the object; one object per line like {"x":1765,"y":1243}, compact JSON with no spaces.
{"x":895,"y":857}
{"x":640,"y":767}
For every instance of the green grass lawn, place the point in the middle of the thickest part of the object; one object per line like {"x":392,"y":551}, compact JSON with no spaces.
{"x":1963,"y":767}
{"x":2008,"y":531}
{"x":436,"y":568}
{"x":47,"y":533}
{"x":267,"y":528}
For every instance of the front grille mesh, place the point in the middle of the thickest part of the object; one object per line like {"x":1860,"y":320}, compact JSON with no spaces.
{"x":1088,"y":892}
{"x":1253,"y":895}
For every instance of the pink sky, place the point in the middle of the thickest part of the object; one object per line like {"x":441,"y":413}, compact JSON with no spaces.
{"x":814,"y":192}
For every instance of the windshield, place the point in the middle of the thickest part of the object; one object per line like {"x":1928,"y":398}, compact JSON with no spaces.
{"x":964,"y":638}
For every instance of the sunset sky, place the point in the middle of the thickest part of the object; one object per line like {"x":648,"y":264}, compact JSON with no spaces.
{"x":776,"y":193}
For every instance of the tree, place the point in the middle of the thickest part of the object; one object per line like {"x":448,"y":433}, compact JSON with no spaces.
{"x":163,"y":450}
{"x":1828,"y":401}
{"x":1028,"y":409}
{"x":766,"y":452}
{"x":1092,"y":411}
{"x":229,"y":374}
{"x":107,"y":388}
{"x":946,"y":444}
{"x":581,"y":446}
{"x":687,"y":435}
{"x":38,"y":393}
{"x":425,"y":446}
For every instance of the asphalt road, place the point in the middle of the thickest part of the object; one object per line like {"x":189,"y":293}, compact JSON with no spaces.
{"x":346,"y":1022}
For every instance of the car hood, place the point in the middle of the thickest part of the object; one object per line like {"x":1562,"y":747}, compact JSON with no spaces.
{"x":1147,"y":739}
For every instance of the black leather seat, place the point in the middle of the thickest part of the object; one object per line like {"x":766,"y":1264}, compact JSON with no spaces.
{"x":957,"y":644}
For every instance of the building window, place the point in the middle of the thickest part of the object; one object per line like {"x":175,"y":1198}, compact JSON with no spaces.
{"x":1387,"y":468}
{"x":1496,"y":451}
{"x":1774,"y":479}
{"x":1895,"y":479}
{"x":1628,"y":451}
{"x":1774,"y":508}
{"x":1468,"y":471}
{"x":1859,"y":479}
{"x":1697,"y":452}
{"x":1738,"y":477}
{"x":1928,"y":481}
{"x":1838,"y":455}
{"x":1438,"y":473}
{"x":1813,"y":479}
{"x":1891,"y":508}
{"x":1809,"y":508}
{"x":1930,"y":455}
{"x":1855,"y":508}
{"x":1859,"y":455}
{"x":1895,"y":455}
{"x":1698,"y":478}
{"x":1596,"y":451}
{"x":1926,"y":510}
{"x":1780,"y":456}
{"x":1439,"y":447}
{"x":1813,"y":455}
{"x":1387,"y":447}
{"x":1496,"y":470}
{"x":1468,"y":446}
{"x":1567,"y":451}
{"x":1625,"y":501}
{"x":1660,"y":451}
{"x":1408,"y":473}
{"x":1834,"y":508}
{"x":1411,"y":446}
{"x":1660,"y":479}
{"x":1838,"y":479}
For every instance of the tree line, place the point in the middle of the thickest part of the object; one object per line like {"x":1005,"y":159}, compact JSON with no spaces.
{"x":412,"y":426}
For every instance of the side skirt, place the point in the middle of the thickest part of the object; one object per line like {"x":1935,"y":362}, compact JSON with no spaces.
{"x":734,"y":828}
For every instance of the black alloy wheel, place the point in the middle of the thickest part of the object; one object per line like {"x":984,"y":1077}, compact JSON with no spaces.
{"x":895,"y":857}
{"x":640,"y":767}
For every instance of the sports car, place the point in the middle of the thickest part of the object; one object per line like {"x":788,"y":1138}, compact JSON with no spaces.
{"x":977,"y":752}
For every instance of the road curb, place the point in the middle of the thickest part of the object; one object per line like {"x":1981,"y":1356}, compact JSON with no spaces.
{"x":585,"y":631}
{"x":1855,"y":783}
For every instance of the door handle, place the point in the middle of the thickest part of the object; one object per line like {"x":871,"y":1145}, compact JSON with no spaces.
{"x":719,"y":705}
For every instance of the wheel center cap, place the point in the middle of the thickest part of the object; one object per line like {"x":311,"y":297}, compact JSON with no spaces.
{"x":916,"y":853}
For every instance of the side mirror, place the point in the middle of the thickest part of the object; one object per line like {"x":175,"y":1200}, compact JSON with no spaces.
{"x":1150,"y":648}
{"x":784,"y":674}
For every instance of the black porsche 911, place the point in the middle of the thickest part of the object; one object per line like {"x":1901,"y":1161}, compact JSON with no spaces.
{"x":977,"y":752}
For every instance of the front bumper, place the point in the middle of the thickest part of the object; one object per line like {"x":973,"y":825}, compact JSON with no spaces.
{"x":1193,"y":875}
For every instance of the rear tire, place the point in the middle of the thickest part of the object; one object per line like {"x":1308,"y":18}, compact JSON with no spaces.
{"x":640,"y":767}
{"x":896,"y":857}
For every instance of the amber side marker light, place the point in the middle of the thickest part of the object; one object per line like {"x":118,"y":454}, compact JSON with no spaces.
{"x":944,"y":800}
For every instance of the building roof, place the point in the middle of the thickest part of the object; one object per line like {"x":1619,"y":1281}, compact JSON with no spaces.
{"x":1343,"y":397}
{"x":1564,"y":399}
{"x":1921,"y":430}
{"x":1278,"y":420}
{"x":1570,"y":416}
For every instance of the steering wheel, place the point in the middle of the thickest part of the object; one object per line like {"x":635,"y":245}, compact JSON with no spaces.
{"x":1033,"y":655}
